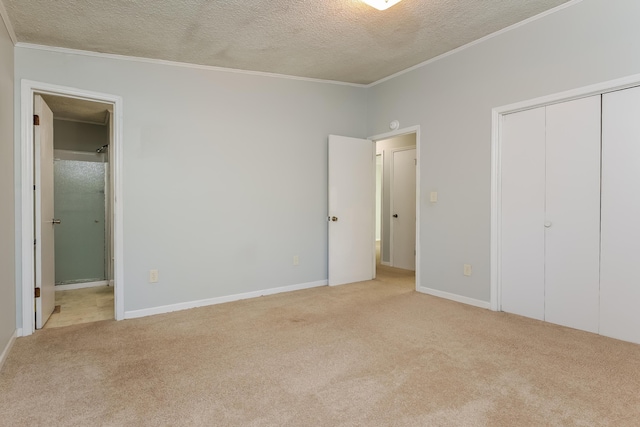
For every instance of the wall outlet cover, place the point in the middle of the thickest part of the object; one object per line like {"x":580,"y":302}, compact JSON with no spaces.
{"x":467,"y":269}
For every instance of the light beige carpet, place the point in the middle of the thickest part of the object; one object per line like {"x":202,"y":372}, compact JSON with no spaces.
{"x":368,"y":354}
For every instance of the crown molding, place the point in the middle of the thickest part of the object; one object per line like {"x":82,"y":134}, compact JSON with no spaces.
{"x":79,"y":52}
{"x":7,"y":23}
{"x":478,"y":41}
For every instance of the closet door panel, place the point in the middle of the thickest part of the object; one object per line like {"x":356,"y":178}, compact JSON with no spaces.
{"x":620,"y":282}
{"x":522,"y":213}
{"x":572,"y":218}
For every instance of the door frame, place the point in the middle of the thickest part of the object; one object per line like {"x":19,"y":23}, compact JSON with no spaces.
{"x":391,"y":198}
{"x":393,"y":134}
{"x":26,"y":228}
{"x":497,"y":115}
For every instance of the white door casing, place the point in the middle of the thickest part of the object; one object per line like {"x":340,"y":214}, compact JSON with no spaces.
{"x":44,"y":221}
{"x":351,"y":213}
{"x":403,"y":209}
{"x":26,"y":225}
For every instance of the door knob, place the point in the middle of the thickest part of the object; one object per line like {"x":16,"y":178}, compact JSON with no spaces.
{"x":333,"y":218}
{"x":395,"y":215}
{"x":547,"y":224}
{"x":56,"y":221}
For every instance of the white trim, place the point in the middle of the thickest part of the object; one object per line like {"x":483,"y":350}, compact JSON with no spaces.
{"x":475,"y":42}
{"x":496,"y":144}
{"x":68,"y":51}
{"x":220,"y":300}
{"x":7,"y":23}
{"x":388,"y":264}
{"x":400,"y":132}
{"x":454,"y":297}
{"x":28,"y":89}
{"x":496,"y":190}
{"x":570,"y":95}
{"x":7,"y":348}
{"x":72,"y":286}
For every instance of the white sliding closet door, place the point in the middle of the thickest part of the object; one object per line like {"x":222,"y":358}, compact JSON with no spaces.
{"x":620,"y":285}
{"x":522,"y":213}
{"x":572,"y":217}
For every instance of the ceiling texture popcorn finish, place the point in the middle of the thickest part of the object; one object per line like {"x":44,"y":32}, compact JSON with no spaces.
{"x":341,"y":40}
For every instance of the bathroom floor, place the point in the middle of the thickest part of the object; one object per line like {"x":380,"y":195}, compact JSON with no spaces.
{"x":82,"y":306}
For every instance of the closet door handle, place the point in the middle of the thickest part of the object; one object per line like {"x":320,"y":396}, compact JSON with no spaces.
{"x":547,"y":224}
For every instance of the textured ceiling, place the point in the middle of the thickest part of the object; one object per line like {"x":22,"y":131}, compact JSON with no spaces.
{"x":77,"y":109}
{"x":343,"y":40}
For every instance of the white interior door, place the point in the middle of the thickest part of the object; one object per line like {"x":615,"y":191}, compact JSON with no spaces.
{"x":403,"y":209}
{"x":351,"y":210}
{"x":619,"y":289}
{"x":44,"y":221}
{"x":522,"y":213}
{"x":572,"y":227}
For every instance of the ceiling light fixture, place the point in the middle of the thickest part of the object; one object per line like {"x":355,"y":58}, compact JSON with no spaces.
{"x":381,"y":4}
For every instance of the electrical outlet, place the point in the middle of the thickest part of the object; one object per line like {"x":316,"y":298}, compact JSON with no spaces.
{"x":467,"y":270}
{"x":433,"y":197}
{"x":296,"y":260}
{"x":153,"y":276}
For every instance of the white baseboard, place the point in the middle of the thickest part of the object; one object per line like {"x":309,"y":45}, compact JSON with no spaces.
{"x":454,"y":297}
{"x":7,"y":349}
{"x":72,"y":286}
{"x":388,"y":264}
{"x":19,"y":332}
{"x":220,"y":300}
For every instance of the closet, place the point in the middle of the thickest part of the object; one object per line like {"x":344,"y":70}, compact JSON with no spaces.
{"x":570,"y":206}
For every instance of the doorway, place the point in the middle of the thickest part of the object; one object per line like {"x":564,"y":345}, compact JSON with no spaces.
{"x":396,"y":204}
{"x":82,"y":234}
{"x":91,"y":169}
{"x":352,"y":208}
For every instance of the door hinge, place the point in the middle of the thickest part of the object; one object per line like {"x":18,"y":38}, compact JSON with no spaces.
{"x":415,"y":162}
{"x":36,"y":120}
{"x":37,"y":293}
{"x":34,"y":188}
{"x":34,"y":242}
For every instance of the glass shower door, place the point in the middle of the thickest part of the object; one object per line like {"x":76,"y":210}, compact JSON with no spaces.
{"x":79,"y":196}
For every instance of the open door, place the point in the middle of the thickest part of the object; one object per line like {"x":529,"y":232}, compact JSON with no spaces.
{"x":44,"y":221}
{"x":351,"y":210}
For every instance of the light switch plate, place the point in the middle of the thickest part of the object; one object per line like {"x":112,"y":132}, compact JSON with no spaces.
{"x":433,"y":197}
{"x":153,"y":276}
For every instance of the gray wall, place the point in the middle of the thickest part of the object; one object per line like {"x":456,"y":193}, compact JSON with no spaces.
{"x":451,"y":99}
{"x":7,"y":207}
{"x":225,"y":174}
{"x":76,"y":136}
